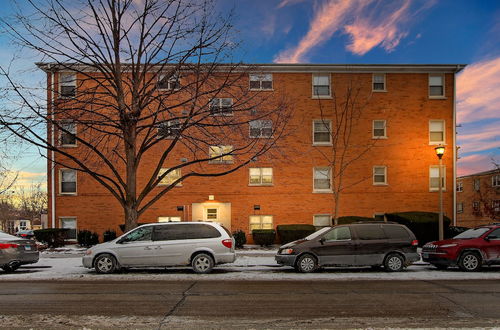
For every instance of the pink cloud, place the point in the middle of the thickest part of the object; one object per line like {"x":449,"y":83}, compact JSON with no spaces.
{"x":478,"y":87}
{"x":474,"y":163}
{"x":480,"y":139}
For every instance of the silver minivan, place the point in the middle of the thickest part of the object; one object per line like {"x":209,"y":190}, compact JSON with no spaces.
{"x":199,"y":244}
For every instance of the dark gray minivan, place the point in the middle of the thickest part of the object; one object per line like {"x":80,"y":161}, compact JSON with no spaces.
{"x":391,"y":245}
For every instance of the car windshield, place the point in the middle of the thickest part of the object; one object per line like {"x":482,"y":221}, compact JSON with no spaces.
{"x":317,"y":233}
{"x":472,"y":233}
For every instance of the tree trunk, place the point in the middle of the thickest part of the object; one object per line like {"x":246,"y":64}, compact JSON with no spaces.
{"x":131,"y":217}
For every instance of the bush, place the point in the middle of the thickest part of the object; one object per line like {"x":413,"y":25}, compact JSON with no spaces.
{"x":53,"y":237}
{"x":425,"y":225}
{"x":109,"y":235}
{"x":87,"y":238}
{"x":290,"y":233}
{"x":353,"y":219}
{"x":240,"y":238}
{"x":263,"y":236}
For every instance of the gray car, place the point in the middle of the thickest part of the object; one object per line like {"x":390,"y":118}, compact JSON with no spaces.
{"x":15,"y":251}
{"x":199,"y":244}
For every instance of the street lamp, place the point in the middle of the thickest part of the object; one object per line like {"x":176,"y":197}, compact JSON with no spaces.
{"x":440,"y":153}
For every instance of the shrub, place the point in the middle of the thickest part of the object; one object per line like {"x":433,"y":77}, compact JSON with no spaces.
{"x":425,"y":225}
{"x":87,"y":238}
{"x":352,"y":219}
{"x":290,"y":233}
{"x":53,"y":237}
{"x":240,"y":238}
{"x":263,"y":236}
{"x":109,"y":235}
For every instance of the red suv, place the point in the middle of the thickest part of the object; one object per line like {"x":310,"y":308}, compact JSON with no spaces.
{"x":469,"y":250}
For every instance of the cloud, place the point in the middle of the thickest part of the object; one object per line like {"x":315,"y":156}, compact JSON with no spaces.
{"x":474,"y":163}
{"x":26,"y":179}
{"x":478,"y":87}
{"x":479,"y":137}
{"x":285,"y":3}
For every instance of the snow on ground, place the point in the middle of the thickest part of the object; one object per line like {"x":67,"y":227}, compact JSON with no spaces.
{"x":256,"y":264}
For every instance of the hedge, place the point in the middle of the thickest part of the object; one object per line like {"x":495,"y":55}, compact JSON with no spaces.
{"x":425,"y":225}
{"x":263,"y":236}
{"x":53,"y":237}
{"x":109,"y":235}
{"x":353,"y":219}
{"x":240,"y":238}
{"x":290,"y":233}
{"x":86,"y":238}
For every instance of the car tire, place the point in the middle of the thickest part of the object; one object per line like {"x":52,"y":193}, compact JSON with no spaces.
{"x":202,"y":263}
{"x":10,"y":269}
{"x":394,"y":262}
{"x":307,"y":263}
{"x":470,"y":261}
{"x":105,"y":264}
{"x":440,"y":267}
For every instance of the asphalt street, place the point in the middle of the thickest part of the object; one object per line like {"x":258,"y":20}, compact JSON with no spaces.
{"x":251,"y":304}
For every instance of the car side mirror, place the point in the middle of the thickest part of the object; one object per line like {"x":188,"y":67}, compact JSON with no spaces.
{"x":322,"y":240}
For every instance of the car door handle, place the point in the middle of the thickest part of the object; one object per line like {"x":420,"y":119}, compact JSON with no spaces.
{"x":158,"y":248}
{"x":147,"y":248}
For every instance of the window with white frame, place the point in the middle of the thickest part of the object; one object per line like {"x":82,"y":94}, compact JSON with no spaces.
{"x":436,"y":85}
{"x":476,"y":207}
{"x":322,"y":129}
{"x":322,"y":179}
{"x":223,"y":154}
{"x":436,"y":132}
{"x":69,"y":223}
{"x":221,"y":107}
{"x":379,"y":175}
{"x":169,"y":129}
{"x":261,"y":128}
{"x":169,"y":82}
{"x":495,"y":205}
{"x":322,"y":220}
{"x":460,"y":207}
{"x":495,"y":180}
{"x":67,"y":84}
{"x":476,"y":184}
{"x":171,"y":177}
{"x":379,"y":129}
{"x":261,"y":176}
{"x":321,"y":84}
{"x":434,"y":177}
{"x":261,"y":222}
{"x":169,"y":219}
{"x":67,"y":136}
{"x":379,"y":82}
{"x":211,"y":213}
{"x":263,"y":81}
{"x":460,"y":186}
{"x":67,"y":181}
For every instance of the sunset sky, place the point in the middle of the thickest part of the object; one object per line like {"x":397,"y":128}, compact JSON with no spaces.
{"x":368,"y":31}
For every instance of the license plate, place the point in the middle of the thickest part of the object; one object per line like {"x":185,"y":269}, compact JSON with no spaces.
{"x":425,"y":255}
{"x":27,"y":247}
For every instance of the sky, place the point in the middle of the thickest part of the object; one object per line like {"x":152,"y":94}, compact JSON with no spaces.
{"x":363,"y":31}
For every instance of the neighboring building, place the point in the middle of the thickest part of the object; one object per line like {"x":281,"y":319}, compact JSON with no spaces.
{"x":13,"y":226}
{"x":409,"y":110}
{"x":478,"y":198}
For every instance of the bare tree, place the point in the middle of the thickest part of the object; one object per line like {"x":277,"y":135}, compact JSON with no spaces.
{"x":135,"y":82}
{"x":31,"y":202}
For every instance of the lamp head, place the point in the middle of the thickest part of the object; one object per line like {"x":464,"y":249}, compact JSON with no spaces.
{"x":439,"y":151}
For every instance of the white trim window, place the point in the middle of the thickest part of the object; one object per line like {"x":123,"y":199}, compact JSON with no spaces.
{"x":322,"y":132}
{"x":260,"y":222}
{"x":261,"y":81}
{"x":379,"y":175}
{"x":261,"y":129}
{"x":460,"y":186}
{"x":436,"y":132}
{"x":170,"y":82}
{"x":378,"y":82}
{"x":221,"y":106}
{"x":67,"y":181}
{"x":495,"y":205}
{"x":321,"y":83}
{"x":71,"y":224}
{"x":476,"y":184}
{"x":436,"y":85}
{"x":476,"y":206}
{"x":169,"y":129}
{"x":495,"y":180}
{"x":434,"y":177}
{"x":169,"y":219}
{"x":260,"y":176}
{"x":224,"y":151}
{"x":67,"y":134}
{"x":67,"y":84}
{"x":322,"y":179}
{"x":170,"y":177}
{"x":379,"y":129}
{"x":322,"y":220}
{"x":460,"y":207}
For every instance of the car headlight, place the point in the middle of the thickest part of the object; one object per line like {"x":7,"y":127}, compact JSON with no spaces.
{"x":448,"y":245}
{"x":287,"y":251}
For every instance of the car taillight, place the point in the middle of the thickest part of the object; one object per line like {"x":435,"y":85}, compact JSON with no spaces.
{"x":24,"y":235}
{"x":227,"y":243}
{"x":8,"y":246}
{"x":414,"y":242}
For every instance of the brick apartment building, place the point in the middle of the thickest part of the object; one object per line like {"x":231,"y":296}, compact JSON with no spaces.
{"x":478,"y":198}
{"x":408,"y":110}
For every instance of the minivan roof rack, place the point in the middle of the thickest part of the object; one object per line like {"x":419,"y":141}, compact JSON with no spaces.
{"x":379,"y":222}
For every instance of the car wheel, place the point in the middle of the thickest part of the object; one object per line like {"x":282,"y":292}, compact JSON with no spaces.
{"x":394,"y":263}
{"x":105,"y":264}
{"x":470,"y":262}
{"x":440,"y":267}
{"x":9,"y":268}
{"x":307,"y":264}
{"x":202,"y":263}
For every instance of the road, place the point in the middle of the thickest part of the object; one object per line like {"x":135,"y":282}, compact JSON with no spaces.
{"x":249,"y":304}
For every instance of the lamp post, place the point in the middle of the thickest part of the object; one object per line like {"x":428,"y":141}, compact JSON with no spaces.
{"x":440,"y":153}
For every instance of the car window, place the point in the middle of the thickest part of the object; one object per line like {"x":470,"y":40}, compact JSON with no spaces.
{"x":317,"y":233}
{"x":184,"y":231}
{"x":495,"y":233}
{"x":472,"y":233}
{"x":370,"y":232}
{"x":140,"y":234}
{"x":338,"y":234}
{"x":396,"y":232}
